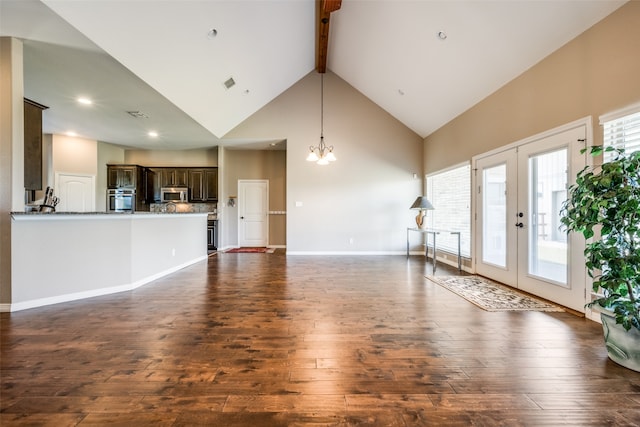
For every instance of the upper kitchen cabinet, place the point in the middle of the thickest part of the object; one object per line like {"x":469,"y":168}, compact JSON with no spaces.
{"x":175,"y":177}
{"x":211,"y":185}
{"x":203,"y":185}
{"x":33,"y":145}
{"x":123,"y":176}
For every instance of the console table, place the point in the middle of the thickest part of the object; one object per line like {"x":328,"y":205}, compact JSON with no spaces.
{"x":433,"y":233}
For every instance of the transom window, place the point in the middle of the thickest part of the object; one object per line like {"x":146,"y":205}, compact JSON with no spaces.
{"x":621,"y":129}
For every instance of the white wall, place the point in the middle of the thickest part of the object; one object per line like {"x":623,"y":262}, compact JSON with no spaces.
{"x":365,"y":195}
{"x":63,"y":257}
{"x":159,"y":242}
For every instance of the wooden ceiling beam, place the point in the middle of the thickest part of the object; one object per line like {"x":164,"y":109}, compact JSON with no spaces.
{"x":323,"y":15}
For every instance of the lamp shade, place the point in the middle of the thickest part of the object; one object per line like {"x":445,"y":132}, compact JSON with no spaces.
{"x":422,"y":203}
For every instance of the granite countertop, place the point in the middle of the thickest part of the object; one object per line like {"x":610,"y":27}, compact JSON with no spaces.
{"x":103,"y":213}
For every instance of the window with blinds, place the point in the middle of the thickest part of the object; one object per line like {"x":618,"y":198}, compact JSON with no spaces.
{"x":449,"y":192}
{"x":621,"y":130}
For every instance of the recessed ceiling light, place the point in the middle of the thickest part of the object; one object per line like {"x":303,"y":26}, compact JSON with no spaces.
{"x":153,"y":134}
{"x":212,"y":33}
{"x":85,"y":101}
{"x":442,"y":35}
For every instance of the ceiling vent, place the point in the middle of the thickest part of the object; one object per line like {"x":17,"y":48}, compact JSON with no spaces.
{"x":137,"y":114}
{"x":229,"y":83}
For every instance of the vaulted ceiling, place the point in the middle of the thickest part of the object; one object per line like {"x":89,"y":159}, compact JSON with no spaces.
{"x":423,"y":61}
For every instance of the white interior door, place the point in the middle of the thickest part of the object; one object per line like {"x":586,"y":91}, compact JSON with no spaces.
{"x":76,"y":192}
{"x":519,"y":195}
{"x":253,"y":213}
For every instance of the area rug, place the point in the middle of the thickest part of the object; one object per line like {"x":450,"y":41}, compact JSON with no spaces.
{"x":491,"y":296}
{"x":251,"y":251}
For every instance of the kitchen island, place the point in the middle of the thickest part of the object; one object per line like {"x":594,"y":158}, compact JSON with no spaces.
{"x":58,"y":257}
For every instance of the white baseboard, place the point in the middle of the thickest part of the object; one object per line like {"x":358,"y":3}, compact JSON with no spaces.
{"x":347,"y":253}
{"x":41,"y":302}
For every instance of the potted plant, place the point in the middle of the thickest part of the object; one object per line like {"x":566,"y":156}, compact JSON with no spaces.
{"x":604,"y":205}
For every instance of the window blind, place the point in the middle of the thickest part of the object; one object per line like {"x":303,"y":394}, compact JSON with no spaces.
{"x":622,"y":132}
{"x":449,"y":192}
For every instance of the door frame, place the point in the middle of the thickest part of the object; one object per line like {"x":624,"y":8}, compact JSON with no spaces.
{"x":587,"y":122}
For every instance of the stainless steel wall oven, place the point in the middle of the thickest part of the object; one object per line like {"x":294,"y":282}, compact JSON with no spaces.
{"x":121,"y":200}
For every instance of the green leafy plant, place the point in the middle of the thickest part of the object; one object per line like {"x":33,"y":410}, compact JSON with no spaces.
{"x":604,"y":205}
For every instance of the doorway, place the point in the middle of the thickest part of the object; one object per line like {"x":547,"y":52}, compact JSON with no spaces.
{"x":519,"y":191}
{"x":253,"y":212}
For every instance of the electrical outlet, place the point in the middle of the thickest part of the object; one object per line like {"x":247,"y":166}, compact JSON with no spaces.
{"x":173,"y":252}
{"x":351,"y":240}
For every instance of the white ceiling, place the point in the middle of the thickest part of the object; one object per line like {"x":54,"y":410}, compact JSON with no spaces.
{"x":155,"y":56}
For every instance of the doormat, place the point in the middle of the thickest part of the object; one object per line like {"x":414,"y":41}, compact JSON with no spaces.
{"x":492,"y":296}
{"x":251,"y":251}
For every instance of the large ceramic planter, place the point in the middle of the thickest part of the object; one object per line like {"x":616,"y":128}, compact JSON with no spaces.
{"x":623,"y":346}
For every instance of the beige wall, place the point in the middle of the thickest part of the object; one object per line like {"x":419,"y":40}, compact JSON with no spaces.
{"x":11,"y":152}
{"x":597,"y":72}
{"x":196,"y":158}
{"x":74,"y":155}
{"x":254,"y":164}
{"x":361,"y":202}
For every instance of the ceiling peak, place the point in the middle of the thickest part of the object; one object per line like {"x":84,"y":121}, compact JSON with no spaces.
{"x":323,"y":15}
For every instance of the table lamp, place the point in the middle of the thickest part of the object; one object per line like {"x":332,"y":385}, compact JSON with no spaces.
{"x":422,"y":204}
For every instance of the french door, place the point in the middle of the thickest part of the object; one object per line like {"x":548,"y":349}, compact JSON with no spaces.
{"x":519,"y":195}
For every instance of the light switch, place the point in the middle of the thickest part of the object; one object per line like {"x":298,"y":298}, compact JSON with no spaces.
{"x":298,"y":204}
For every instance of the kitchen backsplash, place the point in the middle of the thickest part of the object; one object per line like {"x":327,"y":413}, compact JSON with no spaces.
{"x":184,"y":207}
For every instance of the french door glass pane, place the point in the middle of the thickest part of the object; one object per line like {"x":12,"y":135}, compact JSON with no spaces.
{"x":547,"y":191}
{"x":494,"y":215}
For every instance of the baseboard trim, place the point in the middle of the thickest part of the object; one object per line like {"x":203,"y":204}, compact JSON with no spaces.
{"x":343,"y":253}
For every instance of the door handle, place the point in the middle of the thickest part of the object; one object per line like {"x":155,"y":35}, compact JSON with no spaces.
{"x":519,"y":225}
{"x":241,"y":217}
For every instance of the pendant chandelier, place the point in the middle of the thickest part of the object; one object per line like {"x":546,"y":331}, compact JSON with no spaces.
{"x":321,"y":154}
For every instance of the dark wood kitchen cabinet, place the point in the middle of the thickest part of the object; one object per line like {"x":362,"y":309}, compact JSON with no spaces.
{"x":156,"y":184}
{"x":175,"y":177}
{"x":124,"y":176}
{"x":212,"y":235}
{"x":203,"y":185}
{"x":33,"y":145}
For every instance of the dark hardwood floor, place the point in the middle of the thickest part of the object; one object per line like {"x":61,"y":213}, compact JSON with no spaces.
{"x":271,"y":340}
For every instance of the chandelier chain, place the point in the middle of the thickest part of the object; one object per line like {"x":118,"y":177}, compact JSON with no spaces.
{"x":321,"y":154}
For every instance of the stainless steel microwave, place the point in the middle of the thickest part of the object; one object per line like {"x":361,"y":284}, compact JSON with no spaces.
{"x":174,"y":194}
